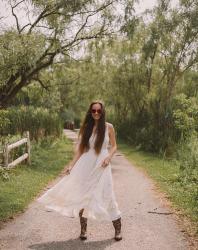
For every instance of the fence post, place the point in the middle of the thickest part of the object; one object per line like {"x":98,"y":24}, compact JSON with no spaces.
{"x":28,"y":147}
{"x":6,"y":155}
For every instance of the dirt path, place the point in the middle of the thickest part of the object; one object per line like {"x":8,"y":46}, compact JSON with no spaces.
{"x":148,"y":223}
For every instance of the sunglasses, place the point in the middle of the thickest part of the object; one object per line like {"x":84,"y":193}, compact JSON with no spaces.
{"x":93,"y":111}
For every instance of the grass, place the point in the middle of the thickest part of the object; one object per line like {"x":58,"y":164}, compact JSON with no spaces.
{"x":165,"y":174}
{"x":25,"y":182}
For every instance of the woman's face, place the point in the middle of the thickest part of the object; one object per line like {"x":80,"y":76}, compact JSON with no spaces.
{"x":96,"y":111}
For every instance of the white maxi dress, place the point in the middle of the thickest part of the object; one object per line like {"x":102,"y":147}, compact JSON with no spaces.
{"x":88,"y":186}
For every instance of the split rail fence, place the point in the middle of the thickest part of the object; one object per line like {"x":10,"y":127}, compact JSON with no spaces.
{"x":25,"y":156}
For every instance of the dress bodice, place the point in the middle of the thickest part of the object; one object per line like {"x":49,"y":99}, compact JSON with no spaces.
{"x":105,"y":142}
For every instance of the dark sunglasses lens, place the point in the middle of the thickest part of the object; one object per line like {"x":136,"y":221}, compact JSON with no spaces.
{"x":99,"y":111}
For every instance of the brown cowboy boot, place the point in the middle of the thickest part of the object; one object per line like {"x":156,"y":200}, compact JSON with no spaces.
{"x":117,"y":226}
{"x":83,"y":223}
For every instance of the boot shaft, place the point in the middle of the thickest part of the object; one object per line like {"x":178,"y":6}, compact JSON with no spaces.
{"x":117,"y":226}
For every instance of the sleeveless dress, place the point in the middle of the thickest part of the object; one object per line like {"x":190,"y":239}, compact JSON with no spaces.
{"x":88,"y":186}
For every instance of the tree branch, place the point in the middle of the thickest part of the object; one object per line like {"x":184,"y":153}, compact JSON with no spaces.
{"x":41,"y":83}
{"x":24,"y":27}
{"x":37,"y":20}
{"x":24,"y":75}
{"x":18,"y":3}
{"x":15,"y":16}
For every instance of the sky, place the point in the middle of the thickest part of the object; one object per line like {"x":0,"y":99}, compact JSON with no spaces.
{"x":5,"y":11}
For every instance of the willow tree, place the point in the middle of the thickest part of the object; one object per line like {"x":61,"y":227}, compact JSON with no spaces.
{"x":145,"y":69}
{"x":53,"y":30}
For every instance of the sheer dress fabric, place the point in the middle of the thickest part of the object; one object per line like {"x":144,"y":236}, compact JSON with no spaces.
{"x":88,"y":186}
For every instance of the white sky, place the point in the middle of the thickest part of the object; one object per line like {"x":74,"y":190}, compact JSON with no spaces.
{"x":5,"y":11}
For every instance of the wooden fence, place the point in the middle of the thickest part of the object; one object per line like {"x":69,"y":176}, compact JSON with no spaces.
{"x":25,"y":156}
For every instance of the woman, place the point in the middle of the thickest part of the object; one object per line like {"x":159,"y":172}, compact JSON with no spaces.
{"x":87,"y":188}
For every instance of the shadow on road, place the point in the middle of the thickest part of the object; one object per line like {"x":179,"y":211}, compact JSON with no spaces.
{"x":73,"y":244}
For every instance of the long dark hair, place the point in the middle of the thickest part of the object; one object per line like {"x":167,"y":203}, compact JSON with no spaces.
{"x":87,"y":129}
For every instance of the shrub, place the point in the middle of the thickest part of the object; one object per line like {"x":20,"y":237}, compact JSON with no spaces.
{"x":187,"y":155}
{"x":39,"y":121}
{"x":185,"y":115}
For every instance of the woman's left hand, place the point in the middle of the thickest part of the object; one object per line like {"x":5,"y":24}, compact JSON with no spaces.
{"x":106,"y":162}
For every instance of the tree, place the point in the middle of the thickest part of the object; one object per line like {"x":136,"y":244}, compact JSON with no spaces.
{"x":145,"y":69}
{"x":58,"y":27}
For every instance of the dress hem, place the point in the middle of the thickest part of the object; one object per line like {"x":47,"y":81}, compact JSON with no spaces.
{"x":74,"y":213}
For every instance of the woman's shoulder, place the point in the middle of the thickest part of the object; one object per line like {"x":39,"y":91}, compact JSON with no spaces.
{"x":109,"y":125}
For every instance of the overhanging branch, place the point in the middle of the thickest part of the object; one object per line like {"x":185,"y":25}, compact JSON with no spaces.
{"x":15,"y":16}
{"x":41,"y":83}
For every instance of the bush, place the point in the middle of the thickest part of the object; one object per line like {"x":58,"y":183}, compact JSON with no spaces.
{"x":4,"y":121}
{"x":159,"y":130}
{"x":187,"y":156}
{"x":39,"y":121}
{"x":69,"y":117}
{"x":185,"y":115}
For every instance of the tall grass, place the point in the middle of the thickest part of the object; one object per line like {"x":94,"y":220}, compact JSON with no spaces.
{"x":39,"y":121}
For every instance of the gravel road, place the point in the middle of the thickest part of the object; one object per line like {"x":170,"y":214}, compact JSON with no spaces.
{"x":148,"y":222}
